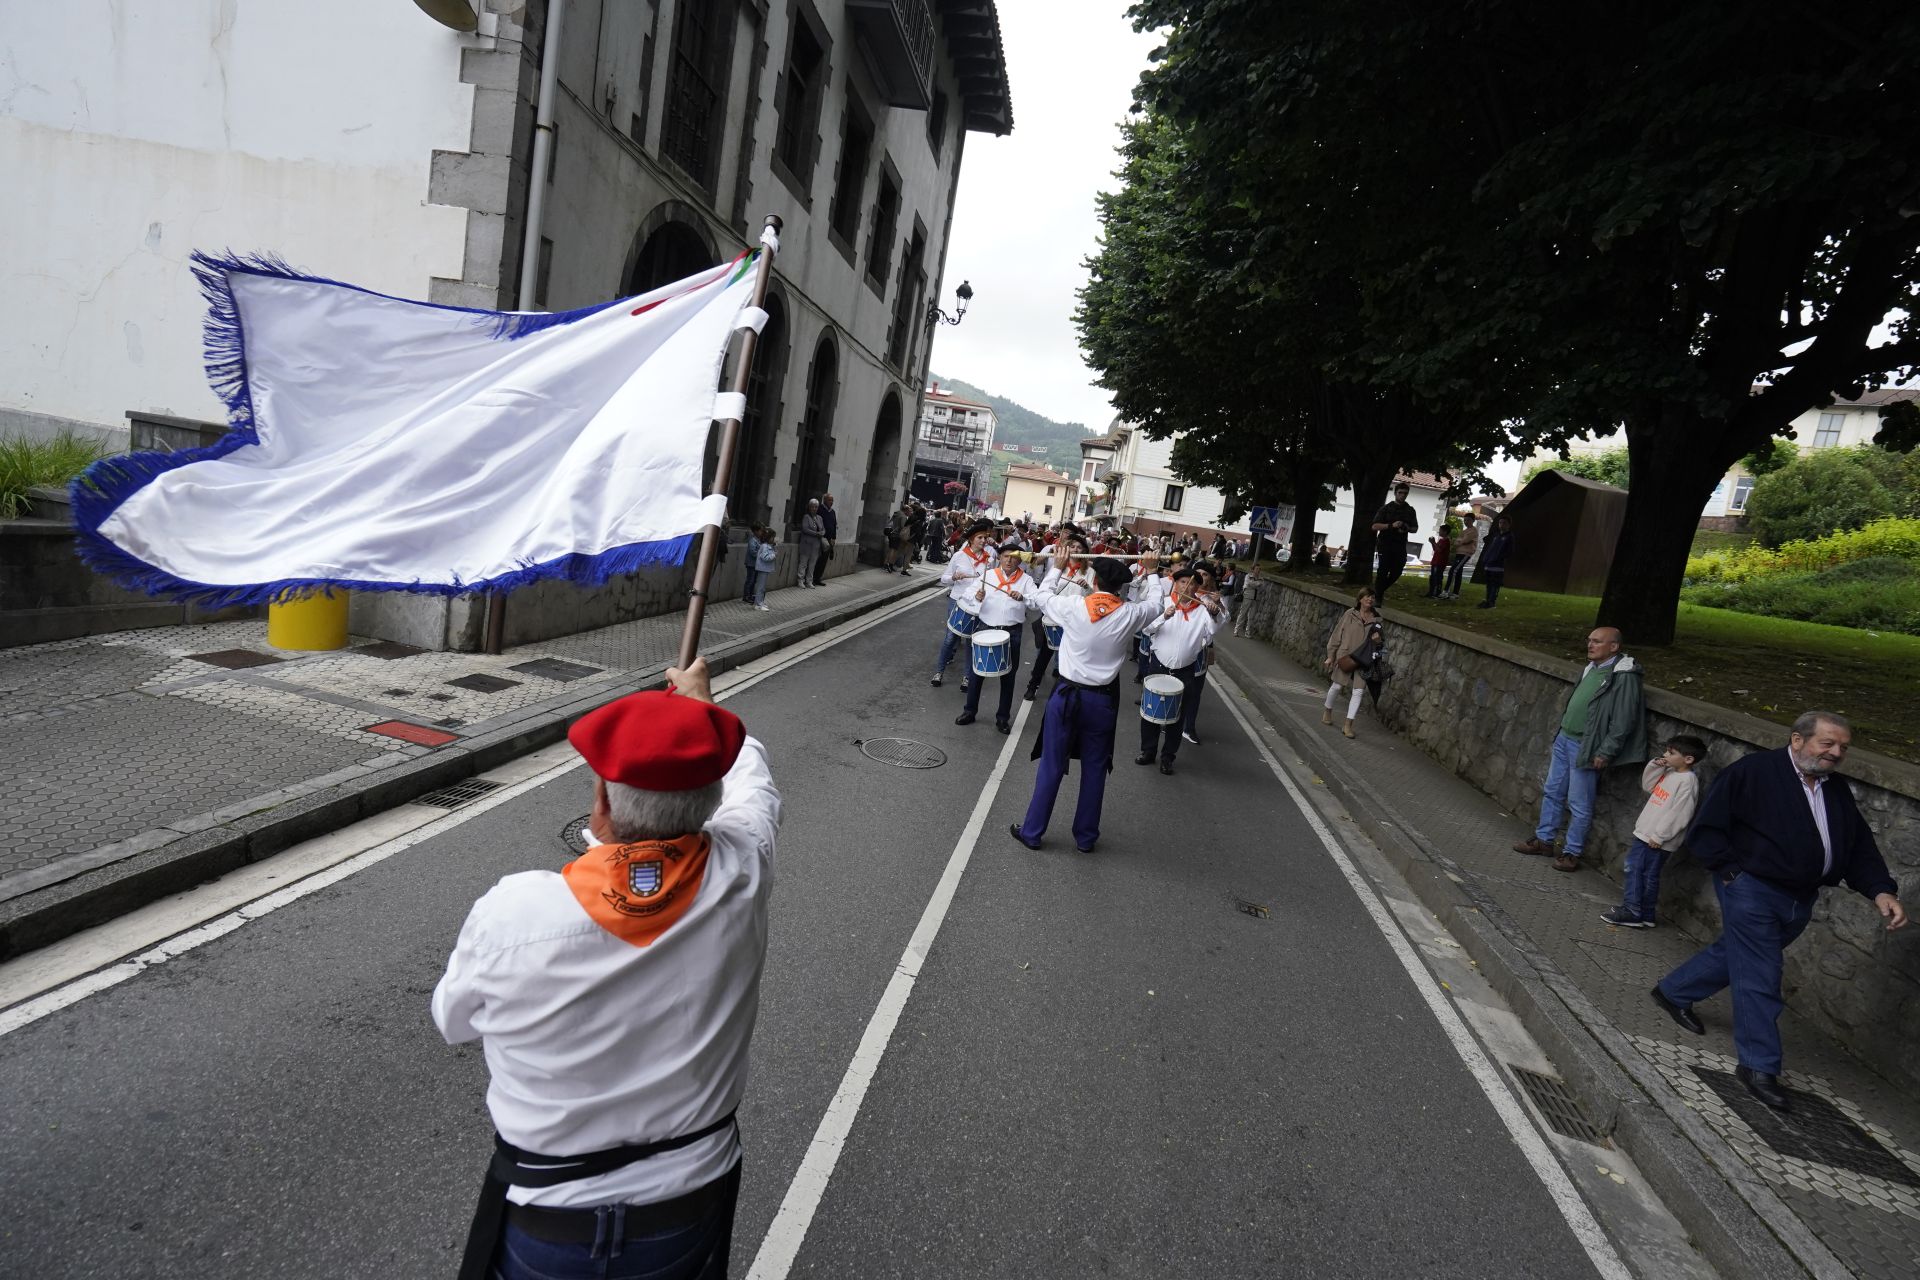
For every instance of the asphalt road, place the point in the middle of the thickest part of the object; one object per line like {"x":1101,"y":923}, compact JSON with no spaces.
{"x":1105,"y":1068}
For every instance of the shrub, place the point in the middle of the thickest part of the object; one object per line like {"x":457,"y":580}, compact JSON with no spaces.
{"x":1832,"y":489}
{"x":26,"y":464}
{"x":1877,"y":594}
{"x":1897,"y":538}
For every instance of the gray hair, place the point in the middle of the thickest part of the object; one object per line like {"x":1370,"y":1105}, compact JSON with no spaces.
{"x":1809,"y":723}
{"x":635,"y":814}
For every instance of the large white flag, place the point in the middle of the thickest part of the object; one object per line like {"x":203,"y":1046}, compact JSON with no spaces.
{"x":389,"y":445}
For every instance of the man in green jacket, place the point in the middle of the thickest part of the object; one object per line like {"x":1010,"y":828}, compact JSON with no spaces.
{"x":1604,"y":724}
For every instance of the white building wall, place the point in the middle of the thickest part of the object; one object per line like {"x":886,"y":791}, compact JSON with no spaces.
{"x":133,"y":134}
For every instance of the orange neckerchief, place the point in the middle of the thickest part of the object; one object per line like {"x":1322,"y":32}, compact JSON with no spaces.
{"x":980,"y":558}
{"x":638,"y":891}
{"x":1186,"y":607}
{"x":1100,"y":604}
{"x":1002,"y":580}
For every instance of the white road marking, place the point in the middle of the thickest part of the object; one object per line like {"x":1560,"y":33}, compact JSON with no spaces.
{"x":66,"y":972}
{"x":1580,"y":1220}
{"x":788,"y":1231}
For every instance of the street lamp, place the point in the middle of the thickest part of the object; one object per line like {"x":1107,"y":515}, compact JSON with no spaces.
{"x":936,"y":316}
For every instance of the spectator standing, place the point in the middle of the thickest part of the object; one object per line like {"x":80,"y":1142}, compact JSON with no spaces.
{"x":1463,"y":548}
{"x":1323,"y":559}
{"x":751,"y":592}
{"x":830,"y":524}
{"x":1392,"y":524}
{"x":1672,"y":791}
{"x":1603,"y":724}
{"x":1774,"y":828}
{"x":1493,"y":559}
{"x":768,"y":556}
{"x":1442,"y":544}
{"x":1348,"y":634}
{"x":813,"y":531}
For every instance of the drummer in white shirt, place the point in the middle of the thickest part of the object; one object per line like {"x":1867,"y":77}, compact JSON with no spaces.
{"x":1153,"y":587}
{"x":1002,"y":605}
{"x":1084,"y":708}
{"x":615,"y":999}
{"x":1180,"y":635}
{"x":961,"y":578}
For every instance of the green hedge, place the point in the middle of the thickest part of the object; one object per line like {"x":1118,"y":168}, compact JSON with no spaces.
{"x":1892,"y":537}
{"x":1879,"y":593}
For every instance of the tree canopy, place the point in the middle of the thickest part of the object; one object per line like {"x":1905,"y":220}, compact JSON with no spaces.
{"x":1608,"y":467}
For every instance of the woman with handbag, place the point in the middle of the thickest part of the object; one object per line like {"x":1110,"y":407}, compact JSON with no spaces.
{"x":1350,"y":633}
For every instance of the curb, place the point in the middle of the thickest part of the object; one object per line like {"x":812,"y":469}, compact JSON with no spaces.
{"x":193,"y":850}
{"x":1735,"y":1219}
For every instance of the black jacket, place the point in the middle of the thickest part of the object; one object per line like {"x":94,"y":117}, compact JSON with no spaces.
{"x":1756,"y":819}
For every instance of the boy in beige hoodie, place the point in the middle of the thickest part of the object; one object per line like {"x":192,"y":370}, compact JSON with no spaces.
{"x":1672,"y":792}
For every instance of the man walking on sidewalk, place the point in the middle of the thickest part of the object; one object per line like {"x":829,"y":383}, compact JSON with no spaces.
{"x":1604,"y":724}
{"x":1776,"y":825}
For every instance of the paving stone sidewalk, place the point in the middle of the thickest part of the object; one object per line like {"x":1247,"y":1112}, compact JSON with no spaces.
{"x":1843,"y":1160}
{"x":112,"y":736}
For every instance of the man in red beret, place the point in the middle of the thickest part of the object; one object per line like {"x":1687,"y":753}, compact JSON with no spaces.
{"x":615,"y":999}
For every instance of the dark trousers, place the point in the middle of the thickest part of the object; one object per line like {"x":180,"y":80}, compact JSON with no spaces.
{"x":1006,"y":682}
{"x":1758,"y":922}
{"x":1493,"y":578}
{"x":820,"y":562}
{"x":1151,"y":734}
{"x":1042,"y":656}
{"x":1453,"y":575}
{"x":1085,"y":717}
{"x":696,"y":1250}
{"x":1391,"y":567}
{"x":753,"y":580}
{"x":1436,"y":577}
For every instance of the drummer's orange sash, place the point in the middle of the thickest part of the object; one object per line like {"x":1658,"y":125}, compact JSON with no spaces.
{"x":1001,"y":579}
{"x":977,"y":557}
{"x":1100,"y":604}
{"x":638,"y":891}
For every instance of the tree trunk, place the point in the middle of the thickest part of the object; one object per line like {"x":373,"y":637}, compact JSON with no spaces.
{"x":1307,"y":483}
{"x":1668,"y":487}
{"x":1369,"y":482}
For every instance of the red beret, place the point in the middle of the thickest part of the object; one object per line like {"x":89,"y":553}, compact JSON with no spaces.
{"x":659,"y":741}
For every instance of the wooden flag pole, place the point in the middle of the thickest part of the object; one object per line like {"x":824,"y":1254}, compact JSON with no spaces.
{"x":723,"y":472}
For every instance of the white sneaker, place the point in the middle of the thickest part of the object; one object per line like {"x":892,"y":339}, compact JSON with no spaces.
{"x":764,"y":608}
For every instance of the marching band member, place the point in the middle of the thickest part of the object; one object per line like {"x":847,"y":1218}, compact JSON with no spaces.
{"x":1180,"y":635}
{"x":1002,"y":600}
{"x":961,"y":578}
{"x":1207,"y":591}
{"x":615,"y":999}
{"x":1155,"y":588}
{"x":1082,"y":712}
{"x":1064,"y":571}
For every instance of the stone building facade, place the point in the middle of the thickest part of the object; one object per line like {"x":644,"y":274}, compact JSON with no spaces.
{"x":1488,"y":711}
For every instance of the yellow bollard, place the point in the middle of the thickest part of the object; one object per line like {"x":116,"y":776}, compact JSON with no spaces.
{"x":317,"y":620}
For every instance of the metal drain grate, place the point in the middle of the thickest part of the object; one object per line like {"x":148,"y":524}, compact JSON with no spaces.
{"x":460,"y":793}
{"x":904,"y":752}
{"x":1557,"y":1105}
{"x":1815,"y":1131}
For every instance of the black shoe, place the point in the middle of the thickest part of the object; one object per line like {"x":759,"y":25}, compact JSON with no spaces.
{"x":1004,"y":726}
{"x":1483,"y":605}
{"x":1087,"y":848}
{"x":1621,"y":918}
{"x":1764,"y":1087}
{"x":965,"y":717}
{"x":1013,"y":829}
{"x":1680,"y":1013}
{"x":1032,"y":693}
{"x":936,"y":682}
{"x":1166,"y":767}
{"x":1145,"y":757}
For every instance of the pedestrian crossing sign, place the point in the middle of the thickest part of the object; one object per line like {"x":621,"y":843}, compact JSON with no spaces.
{"x":1265,"y":520}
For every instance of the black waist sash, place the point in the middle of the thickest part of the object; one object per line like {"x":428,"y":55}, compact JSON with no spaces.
{"x":513,"y":1167}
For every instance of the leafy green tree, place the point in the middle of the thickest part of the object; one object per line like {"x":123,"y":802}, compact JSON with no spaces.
{"x":1899,"y":427}
{"x":1831,"y":490}
{"x":1623,"y":214}
{"x":1777,"y":454}
{"x":1609,"y":467}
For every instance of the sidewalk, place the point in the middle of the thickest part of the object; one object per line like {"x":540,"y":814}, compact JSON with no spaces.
{"x":1836,"y":1181}
{"x":141,"y":762}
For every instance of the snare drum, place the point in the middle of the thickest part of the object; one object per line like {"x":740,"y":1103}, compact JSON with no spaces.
{"x":960,"y":622}
{"x":1160,"y":700}
{"x":991,"y":655}
{"x":1142,"y":643}
{"x":1055,"y":635}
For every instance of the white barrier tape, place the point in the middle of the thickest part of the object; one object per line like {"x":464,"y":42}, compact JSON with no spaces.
{"x":713,"y":510}
{"x":770,"y":238}
{"x":729,"y":404}
{"x":754,"y":318}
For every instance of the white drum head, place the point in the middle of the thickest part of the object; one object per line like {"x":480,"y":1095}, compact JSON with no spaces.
{"x":1167,"y":686}
{"x":993,"y":636}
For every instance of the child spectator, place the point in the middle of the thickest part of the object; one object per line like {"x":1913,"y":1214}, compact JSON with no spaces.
{"x":762,"y":553}
{"x":1673,"y":791}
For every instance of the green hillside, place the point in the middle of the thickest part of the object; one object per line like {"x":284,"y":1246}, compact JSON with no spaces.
{"x":1020,"y":425}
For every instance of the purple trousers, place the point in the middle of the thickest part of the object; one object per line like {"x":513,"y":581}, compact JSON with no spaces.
{"x":1079,"y":725}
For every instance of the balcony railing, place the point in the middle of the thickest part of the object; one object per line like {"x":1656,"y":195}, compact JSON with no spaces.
{"x":897,"y":37}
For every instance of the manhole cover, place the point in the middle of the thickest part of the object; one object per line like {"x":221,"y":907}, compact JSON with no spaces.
{"x":904,"y":752}
{"x":460,"y":793}
{"x":576,"y":836}
{"x":483,"y":683}
{"x":1558,"y":1107}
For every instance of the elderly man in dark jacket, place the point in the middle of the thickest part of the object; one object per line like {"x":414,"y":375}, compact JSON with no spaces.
{"x":1775,"y":826}
{"x":1603,"y":724}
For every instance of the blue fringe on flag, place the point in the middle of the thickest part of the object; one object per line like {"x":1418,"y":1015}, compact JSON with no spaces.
{"x":99,"y":491}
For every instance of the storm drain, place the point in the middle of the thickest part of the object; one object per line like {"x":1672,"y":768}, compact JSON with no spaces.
{"x":459,"y":794}
{"x":904,"y":752}
{"x":1557,"y":1105}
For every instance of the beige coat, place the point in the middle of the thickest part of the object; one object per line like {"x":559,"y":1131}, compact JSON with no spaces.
{"x":1346,"y":636}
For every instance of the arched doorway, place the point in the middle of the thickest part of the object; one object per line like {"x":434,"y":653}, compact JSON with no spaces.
{"x":880,"y":496}
{"x":666,"y":248}
{"x":766,"y":381}
{"x":811,"y":462}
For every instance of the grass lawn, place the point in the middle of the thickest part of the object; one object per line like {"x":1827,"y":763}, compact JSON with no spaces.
{"x":1770,"y":668}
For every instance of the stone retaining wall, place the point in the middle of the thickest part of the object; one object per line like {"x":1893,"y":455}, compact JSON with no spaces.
{"x":1489,"y":710}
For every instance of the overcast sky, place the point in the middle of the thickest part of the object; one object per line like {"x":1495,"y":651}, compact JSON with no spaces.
{"x":1024,"y":219}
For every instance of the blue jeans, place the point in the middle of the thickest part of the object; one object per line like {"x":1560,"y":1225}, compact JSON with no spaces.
{"x":949,"y":642}
{"x":695,"y":1251}
{"x":1570,"y":785}
{"x":753,"y":581}
{"x":1641,"y":894}
{"x":1758,"y":922}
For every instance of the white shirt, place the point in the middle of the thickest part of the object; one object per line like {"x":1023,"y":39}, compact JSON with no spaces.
{"x":961,"y":577}
{"x":1177,"y":641}
{"x":592,"y":1042}
{"x":1154,"y":587}
{"x":1057,"y":582}
{"x":1810,"y":787}
{"x":1000,"y":609}
{"x":1092,"y":652}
